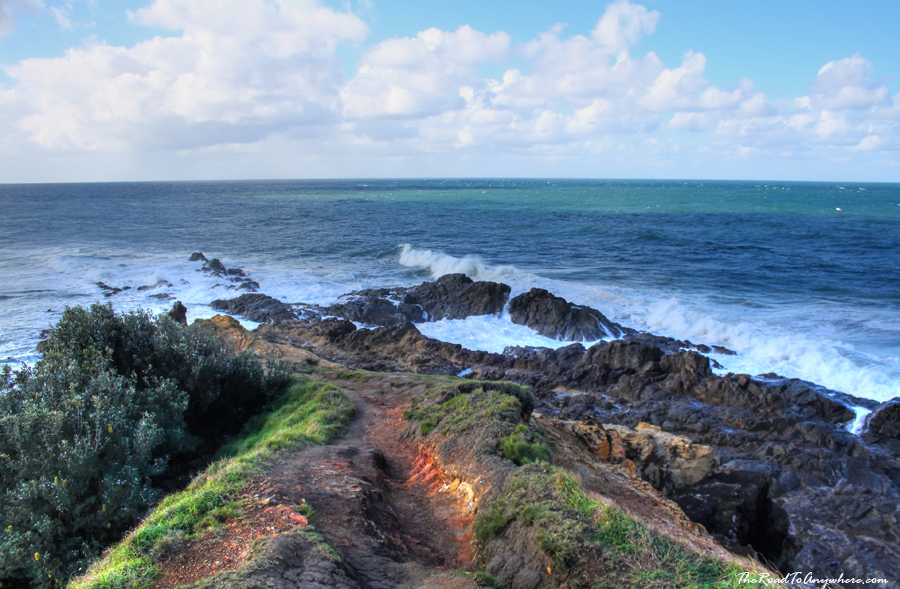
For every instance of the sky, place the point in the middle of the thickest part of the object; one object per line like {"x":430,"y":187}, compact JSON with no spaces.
{"x":137,"y":90}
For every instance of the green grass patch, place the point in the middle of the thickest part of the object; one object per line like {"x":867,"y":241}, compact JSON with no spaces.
{"x":573,"y":527}
{"x":358,"y":375}
{"x":525,"y":446}
{"x":307,"y":413}
{"x":452,"y":408}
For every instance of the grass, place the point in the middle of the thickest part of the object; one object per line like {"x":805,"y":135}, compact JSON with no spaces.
{"x":580,"y":533}
{"x":452,"y":407}
{"x":524,"y":446}
{"x":307,"y":413}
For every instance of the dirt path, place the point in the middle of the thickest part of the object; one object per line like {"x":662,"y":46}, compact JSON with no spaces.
{"x":389,"y":527}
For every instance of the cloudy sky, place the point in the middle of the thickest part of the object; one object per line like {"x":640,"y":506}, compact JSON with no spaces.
{"x":97,"y":90}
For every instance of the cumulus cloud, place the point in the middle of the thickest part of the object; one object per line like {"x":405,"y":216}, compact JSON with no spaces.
{"x":239,"y":70}
{"x":247,"y":72}
{"x":421,"y":75}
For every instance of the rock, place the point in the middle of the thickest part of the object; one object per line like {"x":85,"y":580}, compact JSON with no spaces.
{"x":197,"y":256}
{"x":884,"y":422}
{"x":456,"y":296}
{"x":215,"y":267}
{"x":736,"y":506}
{"x":256,"y":307}
{"x":374,"y":307}
{"x":453,"y":296}
{"x":178,"y":313}
{"x":559,"y":319}
{"x":159,"y":284}
{"x":109,"y":290}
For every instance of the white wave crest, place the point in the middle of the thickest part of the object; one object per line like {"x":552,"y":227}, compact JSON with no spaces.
{"x":439,"y":264}
{"x":810,"y":352}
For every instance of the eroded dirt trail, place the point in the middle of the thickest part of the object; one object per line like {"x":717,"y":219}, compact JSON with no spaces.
{"x":387,"y":523}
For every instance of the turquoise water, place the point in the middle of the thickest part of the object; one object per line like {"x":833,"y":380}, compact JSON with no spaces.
{"x":800,"y":278}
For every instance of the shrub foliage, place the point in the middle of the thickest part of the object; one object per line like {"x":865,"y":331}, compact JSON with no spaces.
{"x":86,"y":432}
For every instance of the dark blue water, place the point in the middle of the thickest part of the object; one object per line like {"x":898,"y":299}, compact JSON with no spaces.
{"x":743,"y":264}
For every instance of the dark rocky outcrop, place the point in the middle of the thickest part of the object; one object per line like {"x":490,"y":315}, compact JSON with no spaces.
{"x":215,"y":267}
{"x":109,"y":291}
{"x":456,"y":296}
{"x":178,"y":313}
{"x":197,"y":257}
{"x":374,"y":307}
{"x":256,"y":307}
{"x":884,"y":423}
{"x":555,"y":317}
{"x":453,"y":296}
{"x":736,"y":507}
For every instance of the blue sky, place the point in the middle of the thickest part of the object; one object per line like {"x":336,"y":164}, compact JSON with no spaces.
{"x":197,"y":89}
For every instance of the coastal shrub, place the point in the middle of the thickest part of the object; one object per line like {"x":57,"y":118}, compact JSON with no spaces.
{"x":88,"y":433}
{"x":307,"y":413}
{"x":524,"y":446}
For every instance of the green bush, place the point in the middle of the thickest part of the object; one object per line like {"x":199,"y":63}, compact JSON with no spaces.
{"x":525,"y":447}
{"x":87,"y":433}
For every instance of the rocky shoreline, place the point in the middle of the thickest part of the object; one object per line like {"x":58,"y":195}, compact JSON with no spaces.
{"x":768,"y":465}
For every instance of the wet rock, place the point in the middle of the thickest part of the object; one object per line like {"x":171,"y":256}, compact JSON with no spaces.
{"x":453,"y":296}
{"x":108,"y":290}
{"x":884,"y":422}
{"x":178,"y":313}
{"x":559,"y":319}
{"x":256,"y":307}
{"x":159,"y":284}
{"x":375,"y":307}
{"x":197,"y":256}
{"x":216,"y":267}
{"x":456,"y":296}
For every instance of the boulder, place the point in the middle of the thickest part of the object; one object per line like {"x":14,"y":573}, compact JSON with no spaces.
{"x":197,"y":256}
{"x":557,"y":318}
{"x":256,"y":307}
{"x":178,"y":313}
{"x":453,"y":296}
{"x":456,"y":296}
{"x":375,"y":307}
{"x":215,"y":267}
{"x":884,"y":422}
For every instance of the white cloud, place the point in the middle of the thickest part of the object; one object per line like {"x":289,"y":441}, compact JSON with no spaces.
{"x":239,"y":70}
{"x":62,"y":18}
{"x":420,"y":76}
{"x":847,"y":84}
{"x":240,"y":78}
{"x":622,"y":25}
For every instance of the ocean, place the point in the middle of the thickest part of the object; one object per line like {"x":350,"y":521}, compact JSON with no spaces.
{"x":799,"y":278}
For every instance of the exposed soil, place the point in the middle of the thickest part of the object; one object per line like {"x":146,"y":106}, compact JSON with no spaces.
{"x":371,"y":502}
